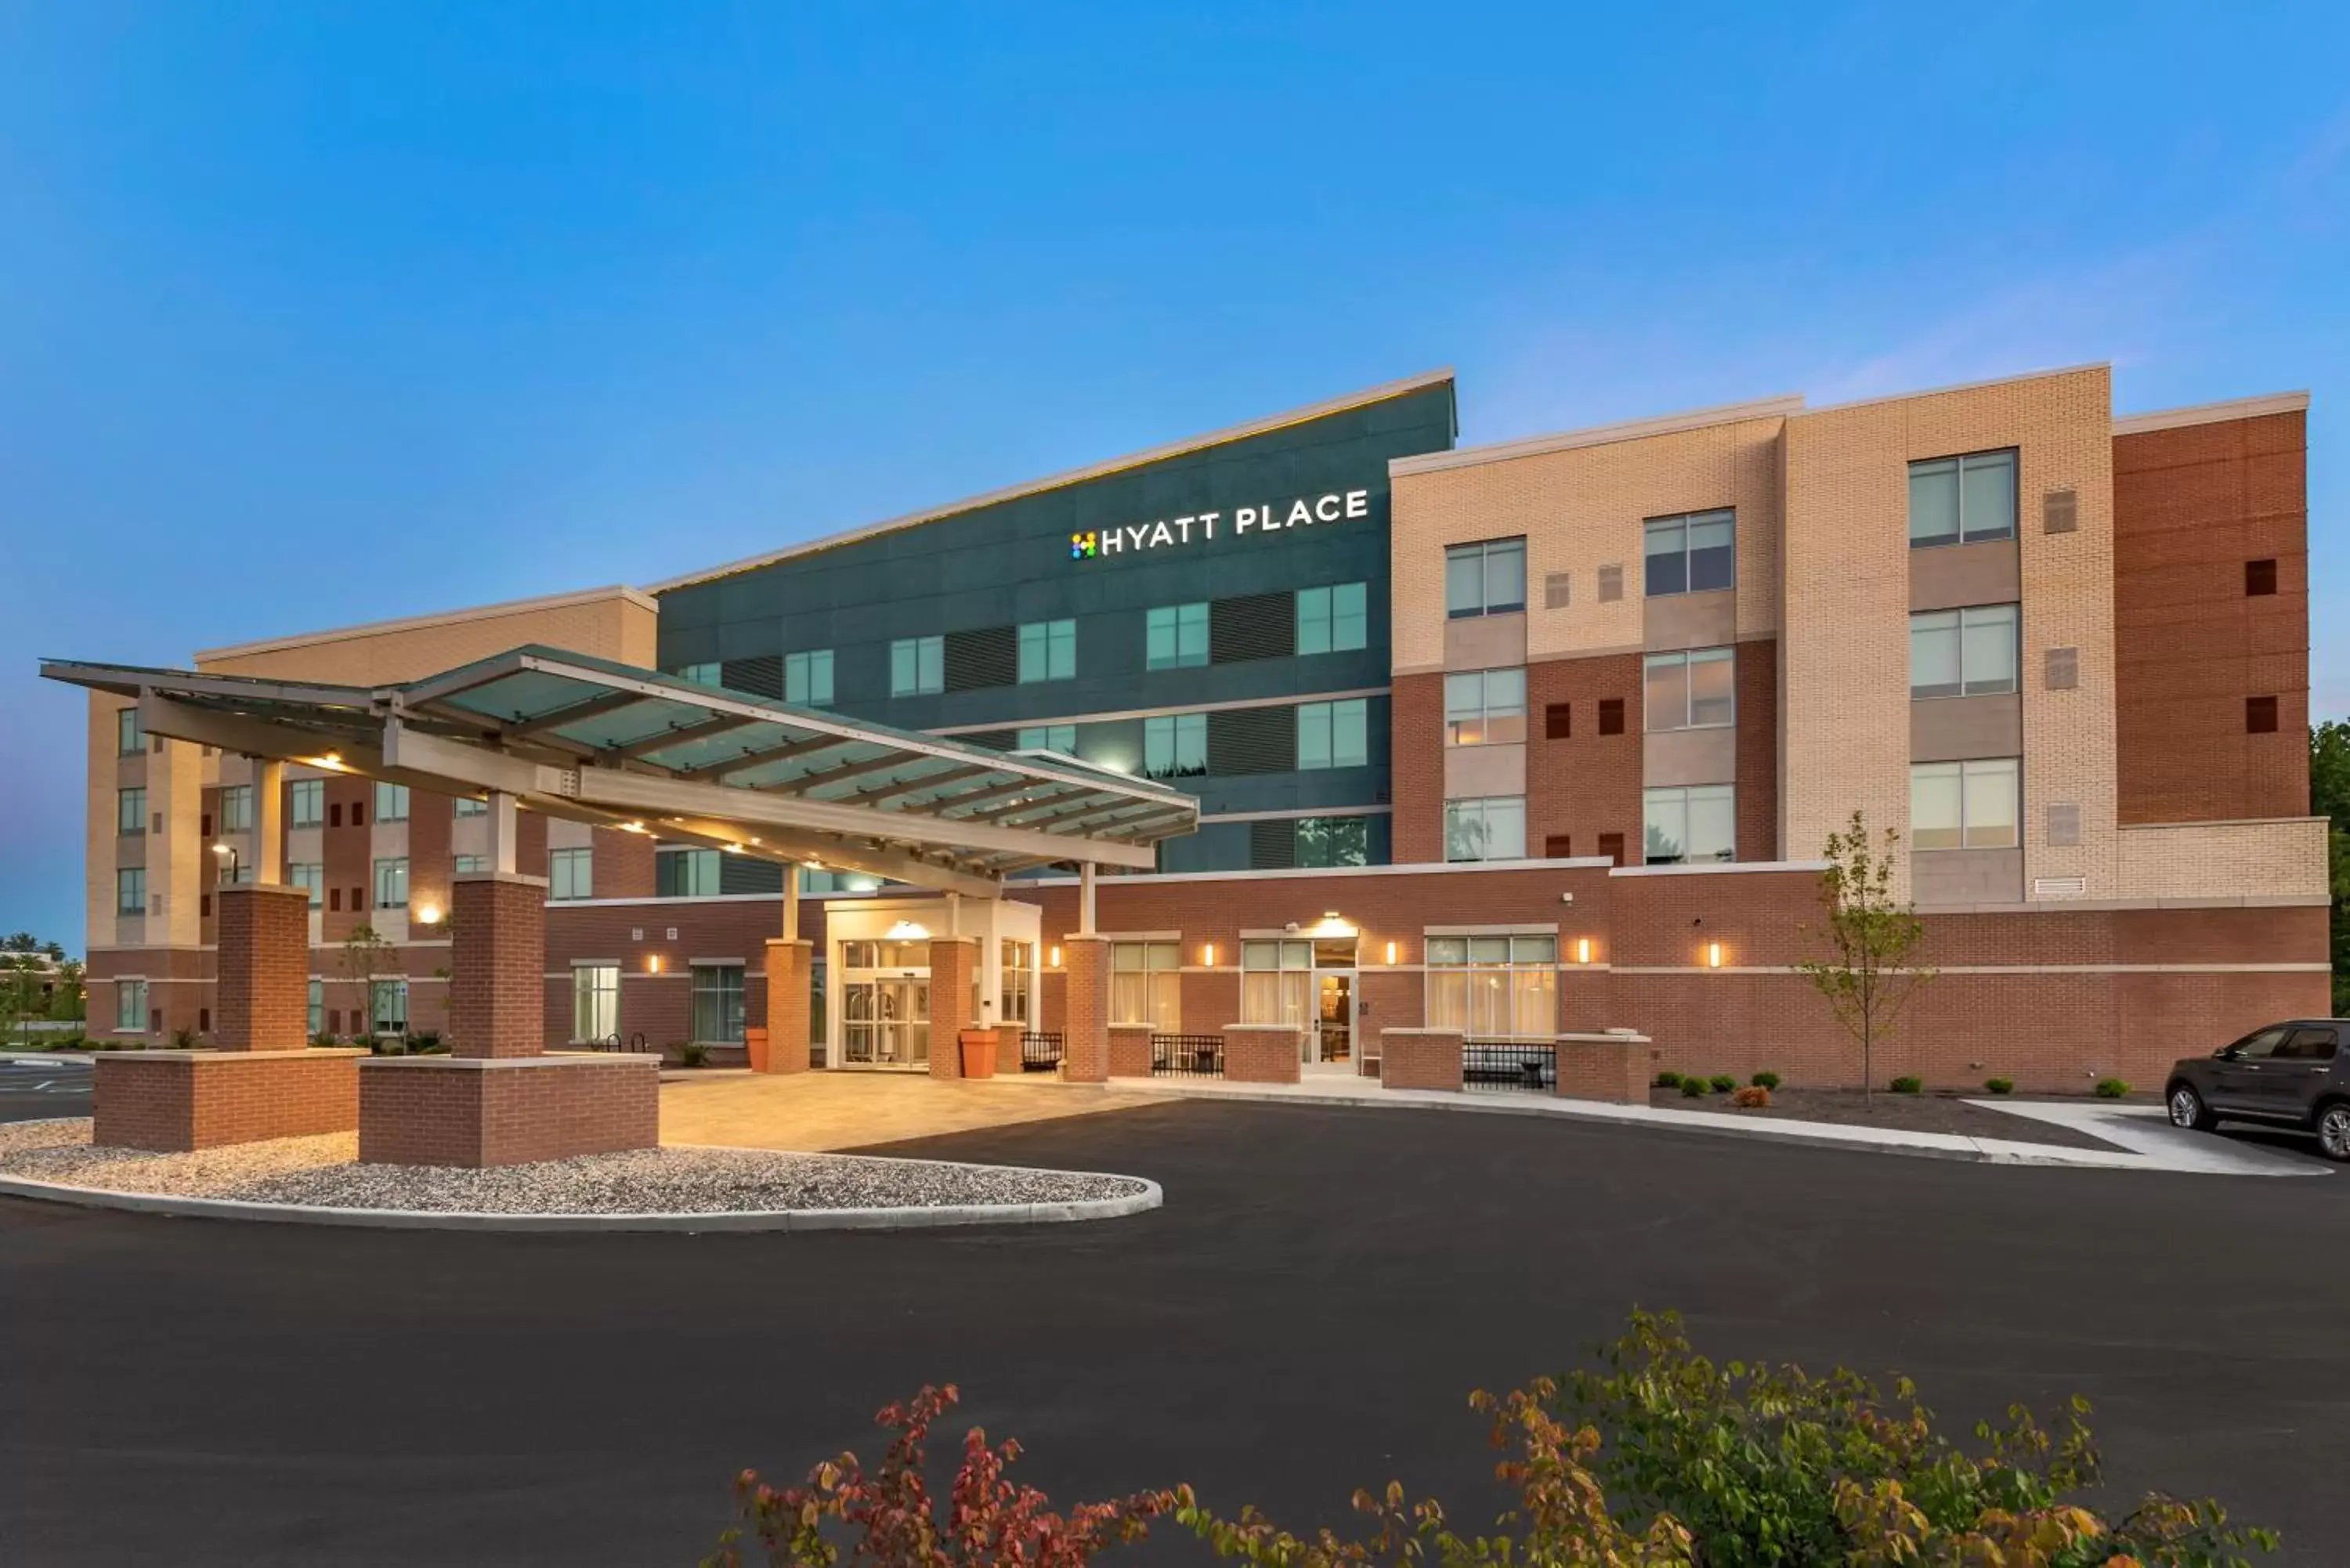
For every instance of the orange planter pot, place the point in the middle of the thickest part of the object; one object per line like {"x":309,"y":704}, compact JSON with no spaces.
{"x":755,"y":1045}
{"x":978,"y":1052}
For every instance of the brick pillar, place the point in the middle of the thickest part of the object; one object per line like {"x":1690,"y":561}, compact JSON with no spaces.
{"x":954,"y":961}
{"x":1085,"y":1026}
{"x":497,"y":960}
{"x":264,"y":989}
{"x":789,"y":966}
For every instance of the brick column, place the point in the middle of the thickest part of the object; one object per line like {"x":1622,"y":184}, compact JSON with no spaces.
{"x":789,"y":966}
{"x":954,"y":961}
{"x":497,"y":960}
{"x":264,"y":988}
{"x":1420,"y":1058}
{"x":1085,"y":1025}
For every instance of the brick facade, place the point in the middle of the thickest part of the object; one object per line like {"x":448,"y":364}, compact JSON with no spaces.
{"x":1420,"y":1058}
{"x":953,"y":962}
{"x":1586,"y":784}
{"x":497,"y":993}
{"x":1616,"y":1069}
{"x":1260,"y":1053}
{"x":263,"y":968}
{"x":476,"y":1112}
{"x":788,"y":975}
{"x":180,"y":1100}
{"x":1084,"y":995}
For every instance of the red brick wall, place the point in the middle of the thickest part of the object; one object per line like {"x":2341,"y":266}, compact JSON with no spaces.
{"x":349,"y":860}
{"x":1415,"y":768}
{"x":263,"y":962}
{"x":1613,"y":1071}
{"x":624,"y":864}
{"x":498,"y":992}
{"x":1589,"y":783}
{"x":1085,"y":1023}
{"x":951,"y":963}
{"x":1257,"y":1055}
{"x":1411,"y":1060}
{"x":1757,"y":752}
{"x":2191,"y":505}
{"x":431,"y":818}
{"x":179,"y":1102}
{"x":1129,"y":1051}
{"x":422,"y":1110}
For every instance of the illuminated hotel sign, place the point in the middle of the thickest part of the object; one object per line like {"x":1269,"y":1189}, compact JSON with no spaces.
{"x":1201,"y":527}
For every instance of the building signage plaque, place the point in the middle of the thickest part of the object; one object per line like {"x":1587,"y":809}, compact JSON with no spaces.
{"x":1263,"y":522}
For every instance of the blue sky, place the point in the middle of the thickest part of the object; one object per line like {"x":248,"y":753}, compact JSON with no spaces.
{"x":324,"y":313}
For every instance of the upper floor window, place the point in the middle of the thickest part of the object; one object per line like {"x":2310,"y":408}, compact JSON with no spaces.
{"x":1485,"y":578}
{"x":1692,"y":690}
{"x":1490,"y":828}
{"x":1175,"y":636}
{"x":1048,"y":650}
{"x":1335,"y":619}
{"x":918,"y":666}
{"x":571,"y":874}
{"x":1966,"y":652}
{"x":1964,"y":806}
{"x":131,"y":811}
{"x":1962,"y":500}
{"x":392,"y":883}
{"x":236,"y":808}
{"x":131,"y":891}
{"x":1333,"y":841}
{"x":701,"y":674}
{"x":468,"y":807}
{"x":1061,"y":738}
{"x":1694,"y":552}
{"x":1485,"y":707}
{"x":130,"y":736}
{"x":807,"y":678}
{"x":685,"y":873}
{"x":305,"y":802}
{"x":1695,"y":823}
{"x":1334,"y":735}
{"x":467,"y":864}
{"x":310,"y":875}
{"x":1175,"y":745}
{"x":390,"y":803}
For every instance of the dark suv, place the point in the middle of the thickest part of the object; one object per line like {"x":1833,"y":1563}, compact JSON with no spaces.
{"x":2282,"y":1074}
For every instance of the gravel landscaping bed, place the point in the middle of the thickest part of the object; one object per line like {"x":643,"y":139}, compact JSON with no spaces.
{"x":1940,"y":1113}
{"x":324,"y":1172}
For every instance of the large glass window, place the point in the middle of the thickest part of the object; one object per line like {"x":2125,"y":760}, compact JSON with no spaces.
{"x":1963,"y":652}
{"x":1061,"y":738}
{"x":718,"y":1004}
{"x":918,"y":666}
{"x":390,"y":803}
{"x":1688,"y":825}
{"x":311,"y":876}
{"x":1333,"y":841}
{"x":387,"y":1006}
{"x":685,"y":873}
{"x":467,"y":864}
{"x":317,"y":1009}
{"x":1017,"y":963}
{"x":700,"y":674}
{"x":1175,"y":745}
{"x":1492,"y":827}
{"x":131,"y":811}
{"x":595,"y":1002}
{"x":129,"y":740}
{"x":236,"y":808}
{"x":1493,"y":987}
{"x":1485,"y":578}
{"x":305,"y":802}
{"x":1692,"y":690}
{"x":1176,"y":635}
{"x":1277,"y":982}
{"x":1962,"y":500}
{"x":1694,"y":552}
{"x":571,"y":874}
{"x":1146,"y":985}
{"x":1334,"y":735}
{"x":1485,"y":707}
{"x":1964,"y":806}
{"x":468,"y":807}
{"x":807,"y":678}
{"x":130,"y":998}
{"x":1048,"y":650}
{"x":1335,"y":619}
{"x":392,"y":883}
{"x":131,"y":891}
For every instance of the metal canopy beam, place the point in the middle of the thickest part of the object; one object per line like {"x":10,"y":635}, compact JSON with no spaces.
{"x":679,"y":735}
{"x":808,"y":848}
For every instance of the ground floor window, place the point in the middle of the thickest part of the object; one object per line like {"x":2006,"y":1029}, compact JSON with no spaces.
{"x":1963,"y":805}
{"x":1492,"y":828}
{"x":1277,"y":982}
{"x":718,"y":1004}
{"x":317,"y":1008}
{"x":1015,"y":959}
{"x":388,"y":1005}
{"x":1688,"y":823}
{"x":130,"y":1006}
{"x":595,"y":1002}
{"x":1490,"y":987}
{"x":1144,"y":986}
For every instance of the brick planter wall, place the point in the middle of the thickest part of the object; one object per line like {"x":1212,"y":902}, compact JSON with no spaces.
{"x":1259,"y":1054}
{"x":1612,"y":1067}
{"x":1420,"y":1058}
{"x":453,"y":1110}
{"x":182,"y":1100}
{"x":1129,"y":1050}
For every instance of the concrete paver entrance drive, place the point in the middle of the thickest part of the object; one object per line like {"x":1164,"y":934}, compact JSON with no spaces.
{"x":812,"y":1112}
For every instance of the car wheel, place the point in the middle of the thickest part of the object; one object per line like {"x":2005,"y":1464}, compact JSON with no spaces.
{"x":2333,"y":1131}
{"x":2187,"y":1110}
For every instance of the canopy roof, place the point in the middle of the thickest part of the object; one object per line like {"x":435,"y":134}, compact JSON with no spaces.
{"x":598,"y":742}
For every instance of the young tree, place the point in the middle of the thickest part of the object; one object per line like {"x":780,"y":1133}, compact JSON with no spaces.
{"x":365,"y":955}
{"x":1868,"y":976}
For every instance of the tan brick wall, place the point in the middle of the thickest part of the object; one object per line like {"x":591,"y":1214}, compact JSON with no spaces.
{"x":2223,"y":859}
{"x":607,"y":624}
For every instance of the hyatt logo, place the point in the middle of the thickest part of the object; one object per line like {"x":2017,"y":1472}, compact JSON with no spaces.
{"x":1336,"y":506}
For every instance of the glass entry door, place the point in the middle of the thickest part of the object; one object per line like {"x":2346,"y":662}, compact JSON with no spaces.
{"x":886,"y":1021}
{"x":1333,"y":1015}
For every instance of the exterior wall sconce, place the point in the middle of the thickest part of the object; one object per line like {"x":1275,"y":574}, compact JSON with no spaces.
{"x":1391,"y":952}
{"x":1053,"y":957}
{"x":1713,"y":955}
{"x":1583,"y":949}
{"x":652,"y":963}
{"x":428,"y":914}
{"x":1208,"y":954}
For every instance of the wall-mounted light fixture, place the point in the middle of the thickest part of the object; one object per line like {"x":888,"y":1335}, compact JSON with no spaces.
{"x":1208,"y":954}
{"x":1713,"y":955}
{"x":652,"y":963}
{"x":1052,"y":957}
{"x":908,"y":932}
{"x":1583,"y":949}
{"x":1393,"y":951}
{"x":428,"y":914}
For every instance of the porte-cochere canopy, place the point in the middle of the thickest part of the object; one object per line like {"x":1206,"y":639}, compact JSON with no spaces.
{"x":607,"y":744}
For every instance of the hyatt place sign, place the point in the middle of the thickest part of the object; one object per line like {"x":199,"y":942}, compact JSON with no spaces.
{"x":1201,"y":527}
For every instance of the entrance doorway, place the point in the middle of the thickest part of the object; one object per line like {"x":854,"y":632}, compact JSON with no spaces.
{"x":885,"y":1004}
{"x":1332,"y":1040}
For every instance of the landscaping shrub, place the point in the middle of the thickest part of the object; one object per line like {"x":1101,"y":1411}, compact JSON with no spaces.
{"x":1668,"y":1079}
{"x":1905,"y":1085}
{"x":2112,"y":1088}
{"x":1764,"y":1080}
{"x":1753,"y":1098}
{"x":183,"y":1039}
{"x":692,"y":1054}
{"x":323,"y":1038}
{"x":1722,"y":1083}
{"x":1692,"y":1088}
{"x":1658,"y":1458}
{"x":427,"y":1042}
{"x":2000,"y":1085}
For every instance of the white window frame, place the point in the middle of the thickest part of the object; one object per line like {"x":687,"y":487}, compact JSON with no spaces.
{"x":1496,"y":986}
{"x":236,"y":808}
{"x":1687,"y":524}
{"x":1146,"y":985}
{"x":1959,"y":467}
{"x":130,"y":1000}
{"x":918,"y":666}
{"x":1986,"y":780}
{"x":390,"y":802}
{"x":1962,"y":624}
{"x":570,"y":873}
{"x":131,"y":811}
{"x":595,"y":1003}
{"x":1486,"y":827}
{"x":310,"y":875}
{"x":1686,"y":660}
{"x":387,"y":1006}
{"x":1016,"y":982}
{"x":1334,"y":619}
{"x":1720,"y":801}
{"x":305,"y":802}
{"x":391,"y":882}
{"x":1048,"y":650}
{"x":1175,"y":636}
{"x":1277,"y":982}
{"x":807,"y":678}
{"x":1334,"y":735}
{"x":316,"y":1008}
{"x":1485,"y":707}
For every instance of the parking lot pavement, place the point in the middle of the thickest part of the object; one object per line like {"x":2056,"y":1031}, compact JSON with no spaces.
{"x":1305,"y":1315}
{"x":44,"y":1086}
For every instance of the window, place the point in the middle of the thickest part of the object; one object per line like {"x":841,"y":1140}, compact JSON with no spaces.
{"x":1611,"y":846}
{"x":390,"y":803}
{"x":807,"y":678}
{"x":1558,"y":846}
{"x":305,"y":802}
{"x":701,"y":674}
{"x":1558,"y":721}
{"x":317,"y":1021}
{"x":1174,"y":637}
{"x":359,"y":815}
{"x":1017,"y":963}
{"x":918,"y":666}
{"x":1488,"y":578}
{"x":596,"y":1001}
{"x":334,"y":814}
{"x":1695,"y":552}
{"x":1334,"y":735}
{"x":1144,"y":985}
{"x":387,"y":1008}
{"x":1963,"y":805}
{"x":2260,"y":578}
{"x":2260,"y":715}
{"x":1174,"y":745}
{"x":1333,"y":841}
{"x":1692,"y":690}
{"x":236,"y":808}
{"x":1611,"y":715}
{"x":468,"y":865}
{"x":1277,"y":982}
{"x":131,"y":811}
{"x":1492,"y":828}
{"x":468,"y":807}
{"x":1485,"y":707}
{"x":1963,"y":652}
{"x":685,"y":874}
{"x":1333,"y":620}
{"x":1061,"y":738}
{"x":1489,"y":987}
{"x":815,"y":880}
{"x":129,"y":1001}
{"x":392,"y":883}
{"x":130,"y":736}
{"x":1048,"y":650}
{"x":718,"y":1004}
{"x":310,"y":875}
{"x":1691,"y":823}
{"x":1962,"y":500}
{"x":570,"y":874}
{"x":131,"y":891}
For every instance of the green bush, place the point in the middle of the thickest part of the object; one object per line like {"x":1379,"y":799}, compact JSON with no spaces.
{"x":1692,"y":1088}
{"x":2000,"y":1085}
{"x":1905,"y":1085}
{"x":1764,"y":1080}
{"x":1722,"y":1083}
{"x":1668,"y":1079}
{"x":2112,"y":1088}
{"x":692,"y":1053}
{"x":323,"y":1039}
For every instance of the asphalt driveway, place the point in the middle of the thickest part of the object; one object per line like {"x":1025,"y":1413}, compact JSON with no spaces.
{"x":1305,"y":1315}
